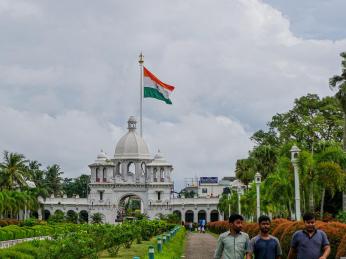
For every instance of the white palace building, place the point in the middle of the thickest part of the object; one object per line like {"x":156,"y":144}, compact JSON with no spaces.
{"x":132,"y":173}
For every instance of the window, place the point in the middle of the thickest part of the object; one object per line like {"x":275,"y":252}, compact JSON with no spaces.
{"x":143,"y":167}
{"x":204,"y":190}
{"x":162,"y":175}
{"x":158,"y":196}
{"x":101,"y":195}
{"x":104,"y":175}
{"x":131,"y":168}
{"x":155,"y":175}
{"x":118,"y":168}
{"x":97,"y":175}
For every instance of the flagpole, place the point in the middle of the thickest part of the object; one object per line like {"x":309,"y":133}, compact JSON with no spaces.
{"x":141,"y":61}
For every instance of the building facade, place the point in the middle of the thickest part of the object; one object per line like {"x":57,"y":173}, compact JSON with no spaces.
{"x":132,"y":174}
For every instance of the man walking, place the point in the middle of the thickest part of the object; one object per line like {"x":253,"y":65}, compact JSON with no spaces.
{"x":264,"y":246}
{"x":309,"y":243}
{"x":234,"y":243}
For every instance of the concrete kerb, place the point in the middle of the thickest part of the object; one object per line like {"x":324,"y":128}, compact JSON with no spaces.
{"x":160,"y":240}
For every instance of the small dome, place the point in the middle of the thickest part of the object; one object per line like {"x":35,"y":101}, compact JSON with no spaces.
{"x":131,"y":146}
{"x":101,"y":156}
{"x":159,"y":160}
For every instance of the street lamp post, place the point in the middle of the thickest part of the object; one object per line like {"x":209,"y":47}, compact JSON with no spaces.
{"x":294,"y":157}
{"x":258,"y":183}
{"x":229,"y":204}
{"x":239,"y":191}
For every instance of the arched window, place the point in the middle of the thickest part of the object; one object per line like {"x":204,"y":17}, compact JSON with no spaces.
{"x":155,"y":174}
{"x":104,"y":175}
{"x":162,"y":175}
{"x":144,"y":169}
{"x":118,"y":168}
{"x":131,"y":168}
{"x":97,"y":175}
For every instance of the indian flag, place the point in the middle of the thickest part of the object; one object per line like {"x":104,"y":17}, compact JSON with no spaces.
{"x":155,"y":88}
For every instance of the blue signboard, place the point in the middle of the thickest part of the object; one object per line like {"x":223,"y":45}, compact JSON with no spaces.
{"x":208,"y":180}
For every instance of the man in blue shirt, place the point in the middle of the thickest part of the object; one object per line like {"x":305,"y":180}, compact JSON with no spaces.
{"x":309,"y":243}
{"x":264,"y":246}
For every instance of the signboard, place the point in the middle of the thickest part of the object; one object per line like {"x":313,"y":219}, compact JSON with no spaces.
{"x":208,"y":180}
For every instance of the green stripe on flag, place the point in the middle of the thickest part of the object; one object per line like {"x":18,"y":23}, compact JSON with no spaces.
{"x":154,"y":93}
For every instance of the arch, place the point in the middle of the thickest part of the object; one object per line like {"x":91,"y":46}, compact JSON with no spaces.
{"x":104,"y":175}
{"x":189,"y":216}
{"x":58,"y":211}
{"x":83,"y":216}
{"x":202,"y":214}
{"x":130,"y":205}
{"x":46,"y":214}
{"x":72,"y":216}
{"x":214,"y":215}
{"x":143,"y":168}
{"x":131,"y":168}
{"x":178,"y":214}
{"x":34,"y":214}
{"x":155,"y":175}
{"x":162,"y":175}
{"x":97,"y":174}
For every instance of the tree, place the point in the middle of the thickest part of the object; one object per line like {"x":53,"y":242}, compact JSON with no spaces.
{"x":245,"y":170}
{"x":278,"y":189}
{"x":310,"y":121}
{"x":97,"y":218}
{"x":339,"y":82}
{"x":330,"y":171}
{"x":53,"y":179}
{"x":12,"y":171}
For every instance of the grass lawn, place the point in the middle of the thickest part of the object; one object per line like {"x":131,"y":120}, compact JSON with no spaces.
{"x":173,"y":250}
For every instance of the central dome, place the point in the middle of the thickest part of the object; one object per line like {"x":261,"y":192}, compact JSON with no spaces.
{"x":131,"y":146}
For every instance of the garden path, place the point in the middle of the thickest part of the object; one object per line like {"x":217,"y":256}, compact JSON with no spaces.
{"x":200,"y":246}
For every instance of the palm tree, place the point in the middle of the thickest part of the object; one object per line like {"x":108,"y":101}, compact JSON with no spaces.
{"x":12,"y":171}
{"x":330,"y":171}
{"x":278,"y":188}
{"x":339,"y":82}
{"x":53,"y":179}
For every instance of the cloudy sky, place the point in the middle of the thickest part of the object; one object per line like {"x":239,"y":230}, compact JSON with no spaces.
{"x":69,"y":76}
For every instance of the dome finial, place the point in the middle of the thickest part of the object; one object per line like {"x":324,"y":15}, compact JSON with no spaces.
{"x":132,"y":123}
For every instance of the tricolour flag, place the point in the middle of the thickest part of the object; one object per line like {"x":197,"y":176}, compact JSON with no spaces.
{"x":155,"y":88}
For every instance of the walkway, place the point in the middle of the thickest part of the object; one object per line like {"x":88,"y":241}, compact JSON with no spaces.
{"x":200,"y":246}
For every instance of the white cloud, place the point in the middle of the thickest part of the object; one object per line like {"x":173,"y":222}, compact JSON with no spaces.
{"x":234,"y":65}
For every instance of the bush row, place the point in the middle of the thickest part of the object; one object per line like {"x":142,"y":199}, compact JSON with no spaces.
{"x":85,"y":241}
{"x":16,"y":232}
{"x":283,"y":229}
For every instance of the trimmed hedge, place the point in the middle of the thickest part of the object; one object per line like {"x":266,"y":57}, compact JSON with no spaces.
{"x":70,"y":241}
{"x":283,"y":229}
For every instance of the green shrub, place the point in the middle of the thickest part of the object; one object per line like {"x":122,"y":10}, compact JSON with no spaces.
{"x":12,"y":254}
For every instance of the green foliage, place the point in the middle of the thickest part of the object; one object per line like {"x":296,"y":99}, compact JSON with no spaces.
{"x":80,"y":241}
{"x":58,"y":217}
{"x":97,"y":218}
{"x":341,"y":216}
{"x":315,"y":125}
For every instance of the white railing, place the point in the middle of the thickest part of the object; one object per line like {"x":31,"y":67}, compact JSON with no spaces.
{"x":9,"y":243}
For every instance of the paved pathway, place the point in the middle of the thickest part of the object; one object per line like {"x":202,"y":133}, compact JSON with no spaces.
{"x":200,"y":246}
